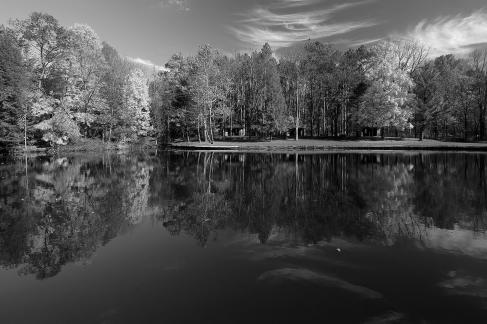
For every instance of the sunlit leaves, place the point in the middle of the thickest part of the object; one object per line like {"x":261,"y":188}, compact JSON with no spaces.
{"x":136,"y":97}
{"x":385,"y":102}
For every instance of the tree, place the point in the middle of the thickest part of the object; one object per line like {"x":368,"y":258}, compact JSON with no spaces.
{"x":319,"y":68}
{"x":136,"y":114}
{"x":425,"y":79}
{"x":478,"y":62}
{"x":206,"y":87}
{"x":293,"y":79}
{"x":44,"y":42}
{"x":270,"y":99}
{"x":13,"y":83}
{"x":448,"y":91}
{"x":112,"y":87}
{"x":173,"y":111}
{"x":409,"y":55}
{"x":385,"y":103}
{"x":83,"y":95}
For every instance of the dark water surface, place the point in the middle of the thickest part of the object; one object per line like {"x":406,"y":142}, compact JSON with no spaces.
{"x":244,"y":238}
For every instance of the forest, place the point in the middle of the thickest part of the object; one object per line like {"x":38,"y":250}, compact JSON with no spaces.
{"x":61,"y":85}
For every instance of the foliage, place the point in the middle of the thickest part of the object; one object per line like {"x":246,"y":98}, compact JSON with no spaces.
{"x":61,"y":85}
{"x":13,"y":82}
{"x":136,"y":114}
{"x":385,"y":103}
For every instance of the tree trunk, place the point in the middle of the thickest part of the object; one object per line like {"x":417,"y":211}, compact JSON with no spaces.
{"x":205,"y":126}
{"x":168,"y":134}
{"x":324,"y":116}
{"x":25,"y":133}
{"x":199,"y":126}
{"x":297,"y":112}
{"x":481,"y":123}
{"x":210,"y":126}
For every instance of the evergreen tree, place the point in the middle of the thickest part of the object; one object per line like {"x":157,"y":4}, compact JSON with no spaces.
{"x":13,"y":82}
{"x":272,"y":107}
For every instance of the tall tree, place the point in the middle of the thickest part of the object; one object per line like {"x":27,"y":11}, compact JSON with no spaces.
{"x":426,"y":82}
{"x":207,"y":87}
{"x":478,"y":61}
{"x":272,"y":115}
{"x":113,"y":81}
{"x":385,"y":102}
{"x":293,"y":78}
{"x":44,"y":41}
{"x":83,"y":96}
{"x":13,"y":86}
{"x":171,"y":102}
{"x":137,"y":111}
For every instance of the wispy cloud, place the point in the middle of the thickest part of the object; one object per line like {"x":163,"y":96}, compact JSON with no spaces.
{"x":293,"y":3}
{"x":453,"y":34}
{"x":275,"y":25}
{"x":356,"y":43}
{"x":179,"y":4}
{"x":146,"y":63}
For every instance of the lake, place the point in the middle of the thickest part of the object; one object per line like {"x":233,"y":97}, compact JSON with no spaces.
{"x":181,"y":237}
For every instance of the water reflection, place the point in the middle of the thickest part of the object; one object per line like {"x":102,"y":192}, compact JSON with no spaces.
{"x":387,"y":198}
{"x":56,"y":211}
{"x":60,"y":210}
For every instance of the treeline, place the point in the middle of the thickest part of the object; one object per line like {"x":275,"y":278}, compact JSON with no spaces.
{"x":59,"y":85}
{"x":390,"y":87}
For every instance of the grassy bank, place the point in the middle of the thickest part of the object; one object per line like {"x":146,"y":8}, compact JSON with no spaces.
{"x":326,"y":145}
{"x":87,"y":145}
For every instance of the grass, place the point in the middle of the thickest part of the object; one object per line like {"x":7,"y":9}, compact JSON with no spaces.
{"x":326,"y":144}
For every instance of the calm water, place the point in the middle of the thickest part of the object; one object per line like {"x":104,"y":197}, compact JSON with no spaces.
{"x":244,"y":238}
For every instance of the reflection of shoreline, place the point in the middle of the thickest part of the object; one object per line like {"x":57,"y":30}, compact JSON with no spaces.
{"x":71,"y":207}
{"x":74,"y":205}
{"x":316,"y":197}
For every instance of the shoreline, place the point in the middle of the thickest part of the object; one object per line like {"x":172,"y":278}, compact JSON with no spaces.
{"x":276,"y":146}
{"x":315,"y":145}
{"x":82,"y":147}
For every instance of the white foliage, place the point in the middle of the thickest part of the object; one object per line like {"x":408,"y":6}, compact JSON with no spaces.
{"x":136,"y":95}
{"x":386,"y":101}
{"x":41,"y":104}
{"x":60,"y":126}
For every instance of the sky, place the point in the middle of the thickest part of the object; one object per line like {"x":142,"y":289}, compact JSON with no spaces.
{"x":151,"y":31}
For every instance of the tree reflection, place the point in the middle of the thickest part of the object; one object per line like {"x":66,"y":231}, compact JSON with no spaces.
{"x":71,"y":207}
{"x":55,"y":211}
{"x":310,"y":198}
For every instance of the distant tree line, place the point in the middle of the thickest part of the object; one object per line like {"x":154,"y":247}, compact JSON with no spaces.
{"x":317,"y":91}
{"x":60,"y":85}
